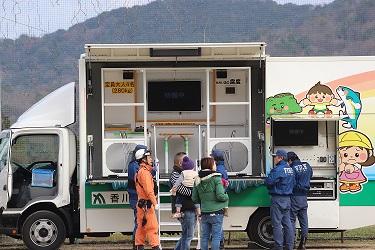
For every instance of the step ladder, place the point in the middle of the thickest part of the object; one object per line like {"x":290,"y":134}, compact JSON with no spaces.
{"x":166,"y":208}
{"x":170,"y":223}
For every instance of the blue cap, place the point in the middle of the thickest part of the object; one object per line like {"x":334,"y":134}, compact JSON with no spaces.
{"x":217,"y":154}
{"x":281,"y":153}
{"x":292,"y":156}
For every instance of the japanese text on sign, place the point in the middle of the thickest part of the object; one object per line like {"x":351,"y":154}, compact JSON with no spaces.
{"x":126,"y":87}
{"x":230,"y":81}
{"x":110,"y":198}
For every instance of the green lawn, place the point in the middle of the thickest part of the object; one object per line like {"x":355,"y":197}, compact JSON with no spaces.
{"x":360,"y":233}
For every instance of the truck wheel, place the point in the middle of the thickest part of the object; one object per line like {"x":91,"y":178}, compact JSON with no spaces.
{"x":259,"y":228}
{"x":43,"y":230}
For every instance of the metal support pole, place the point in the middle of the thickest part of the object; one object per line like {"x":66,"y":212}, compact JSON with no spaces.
{"x":166,"y":149}
{"x":90,"y":142}
{"x":155,"y":150}
{"x":199,"y":143}
{"x":144,"y":80}
{"x":186,"y":144}
{"x":208,"y":111}
{"x":250,"y":153}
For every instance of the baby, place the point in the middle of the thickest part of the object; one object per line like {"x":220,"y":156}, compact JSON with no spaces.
{"x":187,"y":179}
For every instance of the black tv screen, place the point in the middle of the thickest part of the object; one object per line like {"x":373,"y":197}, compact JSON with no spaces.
{"x":174,"y":96}
{"x":295,"y":133}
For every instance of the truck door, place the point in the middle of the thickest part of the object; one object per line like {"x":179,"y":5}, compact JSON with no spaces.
{"x":5,"y":173}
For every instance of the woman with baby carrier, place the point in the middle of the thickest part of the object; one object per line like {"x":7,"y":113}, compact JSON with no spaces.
{"x":185,"y":208}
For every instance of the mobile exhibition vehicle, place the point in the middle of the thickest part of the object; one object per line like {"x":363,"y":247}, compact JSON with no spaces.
{"x":58,"y":183}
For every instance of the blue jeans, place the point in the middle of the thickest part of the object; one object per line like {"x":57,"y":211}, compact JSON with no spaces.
{"x":188,"y":223}
{"x":211,"y":225}
{"x":281,"y":224}
{"x":133,"y":204}
{"x":299,"y":210}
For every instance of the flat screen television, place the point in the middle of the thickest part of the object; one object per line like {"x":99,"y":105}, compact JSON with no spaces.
{"x":295,"y":133}
{"x":176,"y":96}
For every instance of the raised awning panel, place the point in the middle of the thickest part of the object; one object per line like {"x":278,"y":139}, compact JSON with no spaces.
{"x":204,"y":51}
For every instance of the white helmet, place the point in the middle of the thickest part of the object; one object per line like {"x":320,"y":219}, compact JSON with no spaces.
{"x":141,"y":153}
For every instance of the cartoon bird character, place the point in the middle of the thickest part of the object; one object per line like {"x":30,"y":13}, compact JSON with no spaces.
{"x":320,"y":97}
{"x":351,"y":102}
{"x":356,"y":151}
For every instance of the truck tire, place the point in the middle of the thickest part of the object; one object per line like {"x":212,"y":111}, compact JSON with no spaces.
{"x":43,"y":230}
{"x":259,"y":228}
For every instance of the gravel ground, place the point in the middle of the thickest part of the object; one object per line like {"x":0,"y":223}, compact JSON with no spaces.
{"x":110,"y":244}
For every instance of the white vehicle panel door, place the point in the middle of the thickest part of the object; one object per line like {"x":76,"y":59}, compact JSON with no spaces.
{"x":5,"y":174}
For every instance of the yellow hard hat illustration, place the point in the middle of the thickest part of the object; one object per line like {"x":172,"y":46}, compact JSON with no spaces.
{"x":354,"y":139}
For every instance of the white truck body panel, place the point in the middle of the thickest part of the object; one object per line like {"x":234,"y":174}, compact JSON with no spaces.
{"x":296,"y":75}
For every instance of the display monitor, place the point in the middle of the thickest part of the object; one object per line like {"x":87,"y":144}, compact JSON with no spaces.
{"x":295,"y":133}
{"x":176,"y":96}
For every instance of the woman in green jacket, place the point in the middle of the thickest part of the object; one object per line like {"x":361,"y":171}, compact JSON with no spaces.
{"x":209,"y":192}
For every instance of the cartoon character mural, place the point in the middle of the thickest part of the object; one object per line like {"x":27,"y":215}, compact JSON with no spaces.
{"x":356,"y":151}
{"x":320,"y":97}
{"x":352,"y":105}
{"x":284,"y":103}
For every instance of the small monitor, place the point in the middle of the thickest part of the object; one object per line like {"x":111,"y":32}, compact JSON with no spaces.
{"x":179,"y":96}
{"x":295,"y":133}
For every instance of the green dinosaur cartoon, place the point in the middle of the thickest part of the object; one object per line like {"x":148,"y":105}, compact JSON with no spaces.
{"x":284,"y":103}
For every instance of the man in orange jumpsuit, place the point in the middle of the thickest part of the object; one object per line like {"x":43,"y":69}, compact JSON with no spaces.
{"x":147,"y":203}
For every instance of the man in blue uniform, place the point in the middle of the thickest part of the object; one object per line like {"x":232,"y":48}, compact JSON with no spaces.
{"x":303,"y":173}
{"x":133,"y":197}
{"x":280,"y":183}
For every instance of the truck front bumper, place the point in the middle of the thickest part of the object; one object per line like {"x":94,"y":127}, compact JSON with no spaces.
{"x":8,"y":231}
{"x":8,"y":224}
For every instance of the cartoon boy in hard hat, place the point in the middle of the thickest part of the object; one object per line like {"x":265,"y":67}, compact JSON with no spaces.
{"x":356,"y":151}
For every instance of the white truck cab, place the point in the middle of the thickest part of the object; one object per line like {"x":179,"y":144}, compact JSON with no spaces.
{"x":38,"y":160}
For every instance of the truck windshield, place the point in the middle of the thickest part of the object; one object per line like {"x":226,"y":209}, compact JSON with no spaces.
{"x":4,"y":148}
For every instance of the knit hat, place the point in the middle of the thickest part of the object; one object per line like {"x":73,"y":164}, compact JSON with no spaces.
{"x":187,"y":164}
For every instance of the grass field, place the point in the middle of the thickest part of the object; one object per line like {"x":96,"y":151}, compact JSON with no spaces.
{"x":362,"y":238}
{"x":364,"y":233}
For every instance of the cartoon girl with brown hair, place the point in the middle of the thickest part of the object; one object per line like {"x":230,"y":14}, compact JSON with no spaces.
{"x":356,"y":151}
{"x":320,"y":97}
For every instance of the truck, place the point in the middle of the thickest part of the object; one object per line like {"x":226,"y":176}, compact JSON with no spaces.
{"x":63,"y":168}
